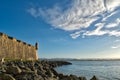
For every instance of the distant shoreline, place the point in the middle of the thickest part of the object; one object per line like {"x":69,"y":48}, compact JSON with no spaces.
{"x":70,"y":59}
{"x":95,"y":60}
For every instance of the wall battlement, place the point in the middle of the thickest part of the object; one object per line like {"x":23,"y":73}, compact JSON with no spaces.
{"x":9,"y":37}
{"x":13,"y":48}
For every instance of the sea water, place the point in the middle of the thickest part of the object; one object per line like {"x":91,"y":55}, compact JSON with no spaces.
{"x":104,"y":70}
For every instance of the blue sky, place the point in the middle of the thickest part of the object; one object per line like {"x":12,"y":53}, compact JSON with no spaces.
{"x":65,"y":28}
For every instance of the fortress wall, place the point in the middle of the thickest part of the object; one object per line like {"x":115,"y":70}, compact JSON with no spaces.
{"x":10,"y":48}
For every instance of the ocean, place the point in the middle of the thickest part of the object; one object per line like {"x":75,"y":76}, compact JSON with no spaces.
{"x":104,"y":70}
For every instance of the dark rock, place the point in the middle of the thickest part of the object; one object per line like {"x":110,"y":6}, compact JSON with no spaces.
{"x":49,"y":73}
{"x":74,"y":77}
{"x":36,"y":70}
{"x":58,"y":63}
{"x":13,"y":70}
{"x":29,"y":76}
{"x":60,"y":76}
{"x":94,"y":78}
{"x":6,"y":77}
{"x":39,"y":72}
{"x":25,"y":69}
{"x":82,"y":78}
{"x":54,"y":72}
{"x":3,"y":69}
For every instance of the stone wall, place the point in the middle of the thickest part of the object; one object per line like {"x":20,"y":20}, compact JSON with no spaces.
{"x":11,"y":48}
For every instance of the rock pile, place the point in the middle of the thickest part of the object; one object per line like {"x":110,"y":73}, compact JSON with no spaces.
{"x":34,"y":70}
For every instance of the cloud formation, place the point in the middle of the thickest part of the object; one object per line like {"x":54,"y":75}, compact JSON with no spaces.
{"x":114,"y":24}
{"x":115,"y":47}
{"x":76,"y":34}
{"x":116,"y":44}
{"x":84,"y":17}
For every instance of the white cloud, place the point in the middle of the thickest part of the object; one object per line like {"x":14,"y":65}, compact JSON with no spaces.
{"x":109,"y":15}
{"x":76,"y":34}
{"x":82,"y":15}
{"x":112,"y":4}
{"x":117,"y":40}
{"x":114,"y":33}
{"x":116,"y":44}
{"x":113,"y":24}
{"x":115,"y":47}
{"x":97,"y":31}
{"x":33,"y":12}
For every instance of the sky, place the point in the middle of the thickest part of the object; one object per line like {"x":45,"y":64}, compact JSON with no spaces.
{"x":65,"y":28}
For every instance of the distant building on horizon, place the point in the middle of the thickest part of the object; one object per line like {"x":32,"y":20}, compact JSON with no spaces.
{"x":11,"y":48}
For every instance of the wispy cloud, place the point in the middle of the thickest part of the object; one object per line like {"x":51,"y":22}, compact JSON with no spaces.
{"x":115,"y":47}
{"x":34,"y":12}
{"x":81,"y":16}
{"x":76,"y":34}
{"x":117,"y":40}
{"x":111,"y":4}
{"x":97,"y":32}
{"x":114,"y":24}
{"x":109,"y":15}
{"x":116,"y":44}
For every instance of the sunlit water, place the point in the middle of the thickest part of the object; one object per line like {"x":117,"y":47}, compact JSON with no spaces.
{"x":104,"y":70}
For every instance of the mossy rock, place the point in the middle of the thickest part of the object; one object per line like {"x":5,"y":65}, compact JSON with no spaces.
{"x":6,"y":77}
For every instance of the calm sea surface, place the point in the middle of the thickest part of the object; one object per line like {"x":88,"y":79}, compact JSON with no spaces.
{"x":104,"y":70}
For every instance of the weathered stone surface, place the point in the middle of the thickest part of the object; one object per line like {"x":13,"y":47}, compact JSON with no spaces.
{"x":11,"y":48}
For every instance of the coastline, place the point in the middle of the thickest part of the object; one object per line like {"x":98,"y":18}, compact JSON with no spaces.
{"x":35,"y":70}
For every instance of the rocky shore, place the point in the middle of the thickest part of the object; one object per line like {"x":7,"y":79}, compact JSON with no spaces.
{"x":35,"y":70}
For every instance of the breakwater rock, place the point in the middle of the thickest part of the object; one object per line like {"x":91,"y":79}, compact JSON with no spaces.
{"x":34,"y":70}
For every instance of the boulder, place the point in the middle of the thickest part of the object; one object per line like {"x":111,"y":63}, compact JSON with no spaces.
{"x":49,"y":73}
{"x":94,"y":78}
{"x":6,"y":77}
{"x":39,"y":70}
{"x":54,"y":72}
{"x":82,"y":78}
{"x":13,"y":70}
{"x":28,"y":77}
{"x":74,"y":77}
